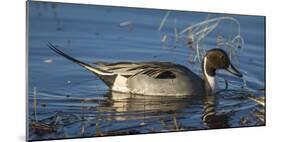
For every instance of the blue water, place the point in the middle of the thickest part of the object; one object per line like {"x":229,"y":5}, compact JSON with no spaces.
{"x":72,"y":102}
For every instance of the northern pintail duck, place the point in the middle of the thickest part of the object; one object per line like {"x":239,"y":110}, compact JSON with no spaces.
{"x":159,"y":78}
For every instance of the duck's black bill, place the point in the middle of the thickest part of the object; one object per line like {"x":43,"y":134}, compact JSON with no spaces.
{"x":234,"y":71}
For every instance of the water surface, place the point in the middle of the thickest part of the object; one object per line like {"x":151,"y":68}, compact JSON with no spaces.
{"x":72,"y":102}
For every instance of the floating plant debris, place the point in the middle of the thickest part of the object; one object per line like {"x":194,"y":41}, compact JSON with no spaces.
{"x":226,"y":84}
{"x":128,"y":24}
{"x":48,"y":61}
{"x":194,"y":35}
{"x":43,"y":128}
{"x":35,"y":103}
{"x":163,"y":21}
{"x":125,"y":23}
{"x":164,"y":38}
{"x":176,"y":34}
{"x":190,"y":39}
{"x":259,"y":100}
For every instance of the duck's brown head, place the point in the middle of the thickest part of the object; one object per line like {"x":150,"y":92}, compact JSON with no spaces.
{"x":218,"y":59}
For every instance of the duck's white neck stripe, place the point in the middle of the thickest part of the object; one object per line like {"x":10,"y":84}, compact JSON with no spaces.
{"x":211,"y":79}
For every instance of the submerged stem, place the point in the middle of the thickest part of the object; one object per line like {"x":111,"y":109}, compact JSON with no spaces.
{"x":35,"y":103}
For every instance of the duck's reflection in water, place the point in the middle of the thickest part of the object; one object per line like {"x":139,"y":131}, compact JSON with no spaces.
{"x":178,"y":112}
{"x":210,"y":117}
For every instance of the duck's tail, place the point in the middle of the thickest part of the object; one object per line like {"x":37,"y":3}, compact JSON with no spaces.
{"x":107,"y":77}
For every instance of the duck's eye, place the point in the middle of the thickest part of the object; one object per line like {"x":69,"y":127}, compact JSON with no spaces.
{"x":222,"y":57}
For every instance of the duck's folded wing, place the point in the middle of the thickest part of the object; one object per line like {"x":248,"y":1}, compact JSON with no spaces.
{"x":130,"y":69}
